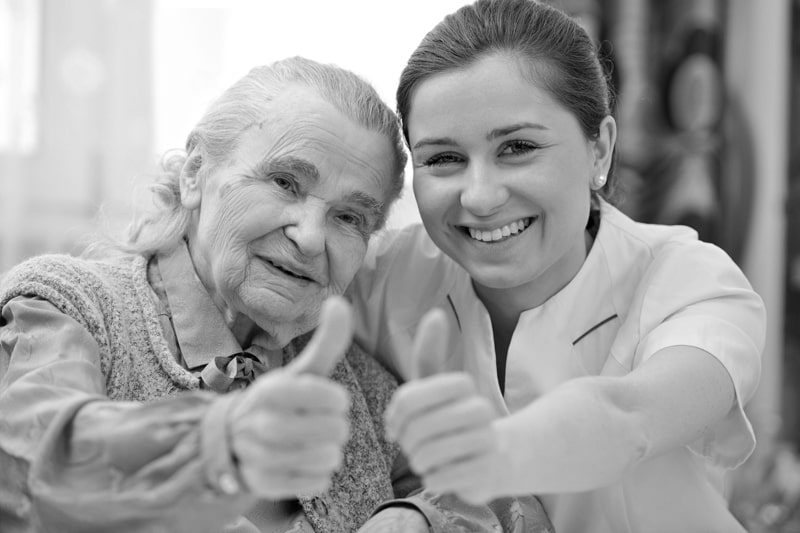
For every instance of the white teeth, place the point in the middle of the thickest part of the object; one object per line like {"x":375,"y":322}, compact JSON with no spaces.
{"x":500,"y":233}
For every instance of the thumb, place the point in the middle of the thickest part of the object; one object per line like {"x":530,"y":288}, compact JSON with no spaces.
{"x":329,"y":342}
{"x":430,"y":345}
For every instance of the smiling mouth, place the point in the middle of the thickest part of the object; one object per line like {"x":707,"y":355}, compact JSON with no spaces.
{"x":287,"y":271}
{"x":502,"y":233}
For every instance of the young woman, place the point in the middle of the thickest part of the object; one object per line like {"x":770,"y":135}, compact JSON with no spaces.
{"x":600,"y":362}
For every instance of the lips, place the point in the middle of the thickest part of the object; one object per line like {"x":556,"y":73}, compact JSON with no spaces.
{"x":292,"y":270}
{"x":499,"y":233}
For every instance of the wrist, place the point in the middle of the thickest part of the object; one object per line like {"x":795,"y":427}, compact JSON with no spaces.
{"x":509,"y":465}
{"x":400,"y":515}
{"x":219,"y":460}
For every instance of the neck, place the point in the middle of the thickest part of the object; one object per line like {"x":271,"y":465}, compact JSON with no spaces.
{"x":242,"y":328}
{"x":507,"y":304}
{"x":504,"y":306}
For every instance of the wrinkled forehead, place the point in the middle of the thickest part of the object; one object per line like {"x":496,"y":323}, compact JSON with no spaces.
{"x":305,"y":127}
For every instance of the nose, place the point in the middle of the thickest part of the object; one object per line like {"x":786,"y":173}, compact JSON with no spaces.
{"x":483,"y":193}
{"x":307,"y":229}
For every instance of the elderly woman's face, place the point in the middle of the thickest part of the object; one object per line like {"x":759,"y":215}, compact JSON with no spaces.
{"x":285,"y":222}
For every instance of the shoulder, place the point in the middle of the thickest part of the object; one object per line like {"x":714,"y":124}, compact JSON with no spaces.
{"x":675,"y":289}
{"x":650,"y":257}
{"x":409,"y":247}
{"x":51,"y":267}
{"x":638,"y":242}
{"x":56,"y":269}
{"x":43,"y":273}
{"x":668,"y":258}
{"x":404,"y":269}
{"x":71,"y":283}
{"x":403,"y":276}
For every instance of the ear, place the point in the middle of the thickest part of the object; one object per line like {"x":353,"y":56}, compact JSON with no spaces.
{"x":190,"y":183}
{"x":604,"y":146}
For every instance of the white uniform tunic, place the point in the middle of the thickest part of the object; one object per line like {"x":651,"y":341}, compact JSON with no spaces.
{"x":642,"y":288}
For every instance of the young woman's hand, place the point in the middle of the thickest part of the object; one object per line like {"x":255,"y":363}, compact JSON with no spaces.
{"x":287,"y":430}
{"x":443,"y":425}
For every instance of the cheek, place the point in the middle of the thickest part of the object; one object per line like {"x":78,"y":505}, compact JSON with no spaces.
{"x":230,"y":233}
{"x":228,"y":239}
{"x":569,"y":213}
{"x":433,"y":195}
{"x":244,"y":215}
{"x":346,"y":256}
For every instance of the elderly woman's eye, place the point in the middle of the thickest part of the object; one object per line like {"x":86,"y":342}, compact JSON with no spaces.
{"x":284,"y":182}
{"x":352,"y":219}
{"x":358,"y":222}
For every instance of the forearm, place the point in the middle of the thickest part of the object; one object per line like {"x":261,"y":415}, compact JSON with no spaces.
{"x":588,"y":432}
{"x":123,"y":467}
{"x":73,"y":460}
{"x":578,"y":437}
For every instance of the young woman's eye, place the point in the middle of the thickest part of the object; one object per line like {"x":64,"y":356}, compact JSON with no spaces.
{"x":518,"y":148}
{"x":442,"y":159}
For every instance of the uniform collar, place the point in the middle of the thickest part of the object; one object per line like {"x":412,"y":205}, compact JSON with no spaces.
{"x":587,"y":301}
{"x":200,"y":328}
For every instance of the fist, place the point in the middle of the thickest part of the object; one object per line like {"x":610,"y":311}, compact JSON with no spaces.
{"x":288,"y":429}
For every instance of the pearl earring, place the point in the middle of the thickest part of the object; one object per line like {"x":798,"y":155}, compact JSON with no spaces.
{"x":599,"y":181}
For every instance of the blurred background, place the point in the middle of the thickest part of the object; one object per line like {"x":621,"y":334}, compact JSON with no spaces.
{"x":92,"y":92}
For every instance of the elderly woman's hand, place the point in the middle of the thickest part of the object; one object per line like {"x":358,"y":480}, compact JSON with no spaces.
{"x":397,"y":520}
{"x":288,"y":428}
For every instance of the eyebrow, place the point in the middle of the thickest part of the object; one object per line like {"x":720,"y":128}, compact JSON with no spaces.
{"x":295,"y":165}
{"x":367,"y":202}
{"x":308,"y":169}
{"x":494,"y":134}
{"x":499,"y":132}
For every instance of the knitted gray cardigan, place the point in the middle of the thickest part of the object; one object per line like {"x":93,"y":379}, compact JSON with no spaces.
{"x":114,"y":302}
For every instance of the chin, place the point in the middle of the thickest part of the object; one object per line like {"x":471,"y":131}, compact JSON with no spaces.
{"x":283,"y":321}
{"x":282,"y":333}
{"x":496,"y":284}
{"x":496,"y":278}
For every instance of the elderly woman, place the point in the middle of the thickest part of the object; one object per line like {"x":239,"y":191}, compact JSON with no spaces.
{"x":111,"y":364}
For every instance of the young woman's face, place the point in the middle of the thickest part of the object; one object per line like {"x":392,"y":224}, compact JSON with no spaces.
{"x":502,"y":176}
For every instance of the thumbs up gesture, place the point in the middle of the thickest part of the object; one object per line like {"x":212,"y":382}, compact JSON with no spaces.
{"x":288,"y":428}
{"x":443,"y":425}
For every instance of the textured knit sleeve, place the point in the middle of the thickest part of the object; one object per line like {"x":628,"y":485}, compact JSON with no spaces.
{"x":74,"y":461}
